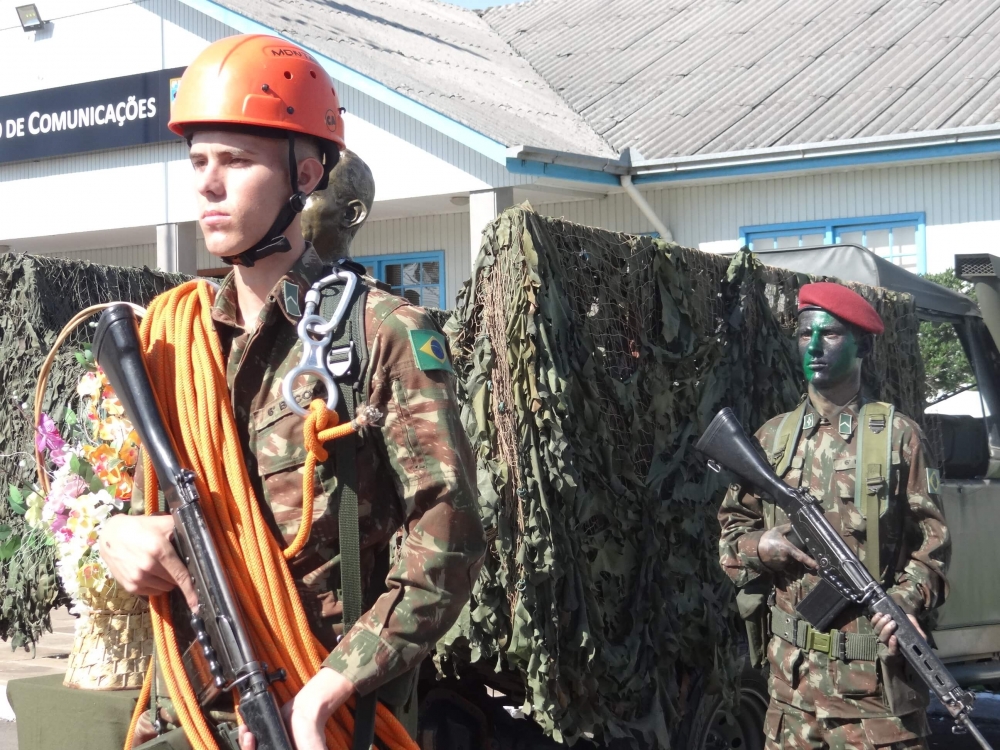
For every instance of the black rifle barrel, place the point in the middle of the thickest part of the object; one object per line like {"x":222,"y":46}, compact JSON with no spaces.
{"x":221,"y":657}
{"x":844,"y":580}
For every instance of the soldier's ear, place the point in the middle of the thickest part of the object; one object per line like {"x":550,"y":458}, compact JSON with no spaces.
{"x":866,"y":343}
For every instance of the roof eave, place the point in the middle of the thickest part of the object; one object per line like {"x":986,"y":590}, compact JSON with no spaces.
{"x":941,"y":144}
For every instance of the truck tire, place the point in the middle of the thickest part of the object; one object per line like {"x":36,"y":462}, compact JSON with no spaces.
{"x":711,"y":727}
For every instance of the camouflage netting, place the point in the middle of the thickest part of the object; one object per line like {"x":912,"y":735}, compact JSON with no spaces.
{"x":589,"y":362}
{"x":38,"y":296}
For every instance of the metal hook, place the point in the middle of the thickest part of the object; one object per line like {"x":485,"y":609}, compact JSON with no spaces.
{"x":316,"y":334}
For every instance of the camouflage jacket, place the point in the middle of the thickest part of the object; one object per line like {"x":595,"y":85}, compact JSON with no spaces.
{"x":914,"y":549}
{"x":416,"y":473}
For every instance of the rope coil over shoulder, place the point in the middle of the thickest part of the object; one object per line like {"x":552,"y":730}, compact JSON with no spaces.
{"x":188,"y":372}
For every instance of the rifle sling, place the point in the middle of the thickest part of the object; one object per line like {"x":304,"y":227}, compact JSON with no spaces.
{"x":872,"y":475}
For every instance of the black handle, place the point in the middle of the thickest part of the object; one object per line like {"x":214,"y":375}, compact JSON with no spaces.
{"x":119,"y":353}
{"x":726,"y":443}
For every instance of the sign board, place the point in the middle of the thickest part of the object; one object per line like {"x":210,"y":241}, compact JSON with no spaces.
{"x":115,"y":113}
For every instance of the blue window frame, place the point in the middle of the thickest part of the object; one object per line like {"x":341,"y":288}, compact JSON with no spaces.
{"x":419,"y":277}
{"x":899,"y":238}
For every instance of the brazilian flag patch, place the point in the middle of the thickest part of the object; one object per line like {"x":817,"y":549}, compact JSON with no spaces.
{"x":429,"y":350}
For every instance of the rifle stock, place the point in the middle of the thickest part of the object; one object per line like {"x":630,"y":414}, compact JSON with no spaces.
{"x":221,"y":658}
{"x":844,"y":580}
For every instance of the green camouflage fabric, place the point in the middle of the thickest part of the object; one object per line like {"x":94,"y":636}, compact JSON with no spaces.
{"x":422,"y":540}
{"x":38,"y":296}
{"x":915,"y":547}
{"x":787,"y":728}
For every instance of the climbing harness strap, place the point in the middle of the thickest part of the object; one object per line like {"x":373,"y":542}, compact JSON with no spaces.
{"x":334,"y":349}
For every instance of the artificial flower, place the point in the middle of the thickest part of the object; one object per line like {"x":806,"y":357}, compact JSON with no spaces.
{"x":47,"y":438}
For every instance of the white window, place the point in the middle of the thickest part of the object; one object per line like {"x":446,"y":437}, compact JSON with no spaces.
{"x":898,"y":238}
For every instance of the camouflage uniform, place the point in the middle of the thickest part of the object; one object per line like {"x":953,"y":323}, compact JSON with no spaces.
{"x":415,"y":473}
{"x":818,"y":701}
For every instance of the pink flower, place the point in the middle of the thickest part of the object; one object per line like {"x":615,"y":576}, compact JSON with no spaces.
{"x":47,"y":438}
{"x":59,"y":456}
{"x":63,"y":535}
{"x":74,"y":486}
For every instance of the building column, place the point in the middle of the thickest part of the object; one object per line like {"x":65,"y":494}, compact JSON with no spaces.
{"x":176,"y":249}
{"x":484,"y":207}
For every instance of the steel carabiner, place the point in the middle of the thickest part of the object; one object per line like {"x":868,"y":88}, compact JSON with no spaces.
{"x":315,"y":350}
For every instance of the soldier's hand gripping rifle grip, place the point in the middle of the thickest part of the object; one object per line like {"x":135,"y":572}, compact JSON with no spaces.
{"x":844,"y":580}
{"x":221,"y":658}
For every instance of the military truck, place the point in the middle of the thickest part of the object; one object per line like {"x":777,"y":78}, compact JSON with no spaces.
{"x":967,"y":629}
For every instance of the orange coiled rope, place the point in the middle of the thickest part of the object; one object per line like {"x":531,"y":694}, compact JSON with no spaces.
{"x":187,"y":370}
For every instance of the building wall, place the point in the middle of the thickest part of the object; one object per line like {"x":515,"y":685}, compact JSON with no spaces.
{"x":148,"y":185}
{"x":90,"y":40}
{"x":447,"y":232}
{"x":129,"y":255}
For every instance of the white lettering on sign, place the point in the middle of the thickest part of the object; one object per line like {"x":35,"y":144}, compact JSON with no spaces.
{"x":82,"y":117}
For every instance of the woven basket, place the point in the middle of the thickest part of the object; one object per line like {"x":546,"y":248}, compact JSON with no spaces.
{"x":113,"y":643}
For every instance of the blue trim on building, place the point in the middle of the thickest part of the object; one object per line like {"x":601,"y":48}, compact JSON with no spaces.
{"x":442,"y":123}
{"x":833,"y":228}
{"x":560,"y":172}
{"x":869,"y":158}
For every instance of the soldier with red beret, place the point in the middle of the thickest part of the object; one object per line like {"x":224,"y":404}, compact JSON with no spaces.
{"x":867,"y":463}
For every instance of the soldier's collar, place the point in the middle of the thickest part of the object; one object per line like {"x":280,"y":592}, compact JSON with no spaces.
{"x":845,"y":421}
{"x":290,"y":291}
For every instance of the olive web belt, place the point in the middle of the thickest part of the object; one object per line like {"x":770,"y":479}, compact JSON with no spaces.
{"x":836,"y":644}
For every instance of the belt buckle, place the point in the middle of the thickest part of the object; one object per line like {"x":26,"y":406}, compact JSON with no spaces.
{"x":816,"y":641}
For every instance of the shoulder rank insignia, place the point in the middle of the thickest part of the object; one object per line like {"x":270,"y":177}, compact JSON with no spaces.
{"x":290,"y":292}
{"x":808,"y":421}
{"x":846,"y":426}
{"x":934,"y":481}
{"x":429,"y":350}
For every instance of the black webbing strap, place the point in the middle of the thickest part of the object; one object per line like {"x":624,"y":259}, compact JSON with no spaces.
{"x":351,"y":334}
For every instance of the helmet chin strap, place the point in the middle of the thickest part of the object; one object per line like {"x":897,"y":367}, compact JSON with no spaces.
{"x":274,"y":240}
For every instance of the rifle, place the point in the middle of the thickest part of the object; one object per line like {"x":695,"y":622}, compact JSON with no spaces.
{"x":221,"y":658}
{"x":844,"y":580}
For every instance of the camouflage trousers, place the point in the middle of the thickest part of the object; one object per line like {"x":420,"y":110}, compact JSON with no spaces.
{"x":788,"y":728}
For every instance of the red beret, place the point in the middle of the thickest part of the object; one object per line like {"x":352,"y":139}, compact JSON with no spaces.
{"x":840,"y":301}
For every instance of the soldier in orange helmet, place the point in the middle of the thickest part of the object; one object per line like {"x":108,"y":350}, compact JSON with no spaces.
{"x":265,"y":129}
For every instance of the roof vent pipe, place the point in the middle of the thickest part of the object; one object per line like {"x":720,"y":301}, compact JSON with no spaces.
{"x":647,"y":210}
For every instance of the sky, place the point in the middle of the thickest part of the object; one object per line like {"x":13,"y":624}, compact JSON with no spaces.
{"x":478,"y":4}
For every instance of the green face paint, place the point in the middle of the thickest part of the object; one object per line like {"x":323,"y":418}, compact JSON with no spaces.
{"x":828,"y":348}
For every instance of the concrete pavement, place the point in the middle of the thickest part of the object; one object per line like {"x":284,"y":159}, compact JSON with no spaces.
{"x":50,"y":657}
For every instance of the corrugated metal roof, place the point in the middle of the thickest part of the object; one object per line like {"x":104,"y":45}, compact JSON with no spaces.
{"x":684,"y":77}
{"x":440,"y":55}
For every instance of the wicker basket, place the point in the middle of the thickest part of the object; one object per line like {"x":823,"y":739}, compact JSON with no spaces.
{"x":113,"y":644}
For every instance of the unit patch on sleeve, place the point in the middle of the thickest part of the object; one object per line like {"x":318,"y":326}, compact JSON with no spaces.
{"x":430,"y":351}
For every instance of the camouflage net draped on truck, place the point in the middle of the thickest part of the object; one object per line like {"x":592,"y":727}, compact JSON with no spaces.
{"x":589,"y":362}
{"x":38,"y":296}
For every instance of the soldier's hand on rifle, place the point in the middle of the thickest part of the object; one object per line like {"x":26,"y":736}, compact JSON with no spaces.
{"x":307,"y":713}
{"x":777,"y":553}
{"x":885,"y":626}
{"x":139,"y":554}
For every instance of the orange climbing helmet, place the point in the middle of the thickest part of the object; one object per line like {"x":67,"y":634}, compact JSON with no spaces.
{"x":256,"y":80}
{"x":265,"y":86}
